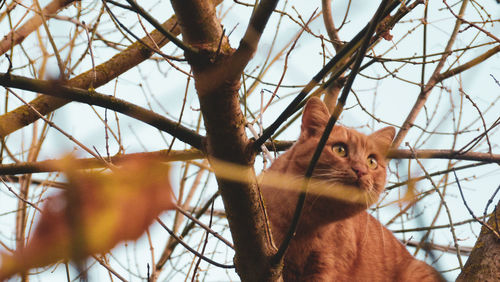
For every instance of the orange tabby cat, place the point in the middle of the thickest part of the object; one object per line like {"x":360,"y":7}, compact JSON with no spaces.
{"x":338,"y":240}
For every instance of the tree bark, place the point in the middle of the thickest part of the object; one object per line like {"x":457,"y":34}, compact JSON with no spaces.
{"x":484,"y":261}
{"x":217,"y":88}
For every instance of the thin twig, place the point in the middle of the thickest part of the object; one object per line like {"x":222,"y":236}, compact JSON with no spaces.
{"x":285,"y":65}
{"x":347,"y":50}
{"x":431,"y":246}
{"x":167,"y":252}
{"x":485,"y":133}
{"x":141,"y":41}
{"x":89,"y":40}
{"x":489,"y":34}
{"x":108,"y":267}
{"x":433,"y":80}
{"x":204,"y":243}
{"x":486,"y":225}
{"x":51,"y":124}
{"x":427,"y":228}
{"x":443,"y":201}
{"x":51,"y":41}
{"x":185,"y":47}
{"x":415,"y":179}
{"x":490,"y":200}
{"x":202,"y":225}
{"x":191,"y":249}
{"x":19,"y":197}
{"x":94,"y":98}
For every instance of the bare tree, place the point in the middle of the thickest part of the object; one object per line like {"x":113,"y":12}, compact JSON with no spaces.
{"x":216,"y":87}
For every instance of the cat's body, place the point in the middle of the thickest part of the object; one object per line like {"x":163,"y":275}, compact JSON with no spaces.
{"x":338,"y":240}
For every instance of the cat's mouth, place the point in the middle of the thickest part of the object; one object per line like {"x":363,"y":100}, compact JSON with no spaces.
{"x":340,"y":176}
{"x":343,"y":186}
{"x":353,"y":182}
{"x":346,"y":191}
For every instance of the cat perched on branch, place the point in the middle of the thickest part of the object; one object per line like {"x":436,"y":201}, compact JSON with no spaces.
{"x":336,"y":239}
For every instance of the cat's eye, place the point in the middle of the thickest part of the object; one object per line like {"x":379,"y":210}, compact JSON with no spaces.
{"x":372,"y":162}
{"x":340,"y":149}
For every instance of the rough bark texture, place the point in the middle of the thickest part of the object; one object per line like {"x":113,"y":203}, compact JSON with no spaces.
{"x":484,"y":261}
{"x":226,"y":139}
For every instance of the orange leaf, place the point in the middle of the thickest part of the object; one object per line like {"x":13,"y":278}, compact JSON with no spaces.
{"x":97,"y":212}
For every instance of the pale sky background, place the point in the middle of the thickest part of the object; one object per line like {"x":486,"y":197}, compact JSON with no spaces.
{"x":389,"y":99}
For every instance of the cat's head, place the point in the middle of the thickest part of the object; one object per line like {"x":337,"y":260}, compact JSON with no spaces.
{"x":351,"y":161}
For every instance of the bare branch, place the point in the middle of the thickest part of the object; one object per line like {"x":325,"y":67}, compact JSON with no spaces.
{"x":444,"y":154}
{"x":105,"y":72}
{"x":326,"y":6}
{"x":434,"y":79}
{"x":250,"y":40}
{"x":88,"y":163}
{"x":17,"y":36}
{"x":93,"y":98}
{"x":191,"y":249}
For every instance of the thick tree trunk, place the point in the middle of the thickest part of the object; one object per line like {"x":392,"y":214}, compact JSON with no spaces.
{"x":217,"y":87}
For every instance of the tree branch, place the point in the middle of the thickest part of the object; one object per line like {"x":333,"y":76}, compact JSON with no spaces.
{"x":326,"y":7}
{"x":341,"y":56}
{"x":249,"y":42}
{"x":433,"y":80}
{"x":105,"y":72}
{"x":89,"y":163}
{"x":17,"y":36}
{"x":192,"y":154}
{"x":217,"y":88}
{"x":444,"y":154}
{"x":172,"y":37}
{"x":109,"y":102}
{"x":469,"y":64}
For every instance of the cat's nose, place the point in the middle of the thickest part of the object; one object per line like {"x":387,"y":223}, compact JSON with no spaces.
{"x":359,"y":170}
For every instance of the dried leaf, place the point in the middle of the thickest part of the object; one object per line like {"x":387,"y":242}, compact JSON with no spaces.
{"x":384,"y":30}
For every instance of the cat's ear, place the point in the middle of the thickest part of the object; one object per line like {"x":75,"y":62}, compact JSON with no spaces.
{"x":383,"y":137}
{"x":314,"y":118}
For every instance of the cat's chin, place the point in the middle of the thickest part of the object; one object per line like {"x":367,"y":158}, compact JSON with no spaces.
{"x":321,"y":210}
{"x":333,"y":201}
